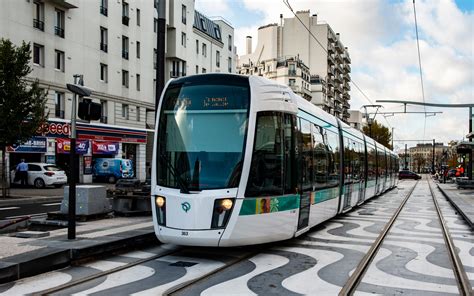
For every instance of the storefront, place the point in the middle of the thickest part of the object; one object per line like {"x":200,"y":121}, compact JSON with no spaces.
{"x":52,"y":145}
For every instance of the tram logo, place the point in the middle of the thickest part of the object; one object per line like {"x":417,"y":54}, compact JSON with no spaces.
{"x":186,"y":206}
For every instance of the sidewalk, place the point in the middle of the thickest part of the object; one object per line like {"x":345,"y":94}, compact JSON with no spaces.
{"x":23,"y":257}
{"x":461,"y":199}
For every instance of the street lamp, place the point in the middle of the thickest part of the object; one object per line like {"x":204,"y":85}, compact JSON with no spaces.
{"x":77,"y":89}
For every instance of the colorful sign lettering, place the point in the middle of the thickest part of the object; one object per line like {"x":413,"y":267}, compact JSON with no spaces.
{"x":104,"y":147}
{"x":33,"y":145}
{"x":63,"y":146}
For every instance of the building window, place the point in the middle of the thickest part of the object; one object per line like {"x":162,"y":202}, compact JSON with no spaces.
{"x":155,"y":25}
{"x":59,"y":105}
{"x":183,"y":14}
{"x":291,"y":82}
{"x":38,"y":20}
{"x":125,"y":111}
{"x":103,"y":116}
{"x":103,"y":7}
{"x":103,"y":73}
{"x":183,"y":39}
{"x":138,"y":17}
{"x":138,"y":82}
{"x":203,"y":70}
{"x":229,"y":65}
{"x":155,"y":58}
{"x":291,"y":69}
{"x":218,"y":33}
{"x":59,"y":23}
{"x":229,"y":40}
{"x":125,"y":78}
{"x":59,"y":60}
{"x":138,"y":49}
{"x":103,"y":39}
{"x":218,"y":59}
{"x":125,"y":15}
{"x":203,"y":25}
{"x":197,"y":46}
{"x":197,"y":69}
{"x":38,"y":54}
{"x":204,"y":49}
{"x":125,"y":47}
{"x":183,"y":68}
{"x":138,"y":113}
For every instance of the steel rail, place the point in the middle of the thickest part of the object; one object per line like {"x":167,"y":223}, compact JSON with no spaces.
{"x":354,"y":280}
{"x":462,"y":280}
{"x":102,"y":273}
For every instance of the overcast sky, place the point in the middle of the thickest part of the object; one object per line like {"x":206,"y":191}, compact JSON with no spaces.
{"x":381,"y":39}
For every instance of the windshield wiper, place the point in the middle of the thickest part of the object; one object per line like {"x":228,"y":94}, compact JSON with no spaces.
{"x":181,"y":184}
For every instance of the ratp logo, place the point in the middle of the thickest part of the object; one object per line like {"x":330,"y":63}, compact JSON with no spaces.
{"x":186,"y":206}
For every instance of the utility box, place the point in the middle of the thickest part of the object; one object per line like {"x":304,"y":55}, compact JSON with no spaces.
{"x":90,"y":200}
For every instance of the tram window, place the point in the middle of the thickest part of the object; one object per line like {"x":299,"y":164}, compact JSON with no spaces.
{"x":266,"y":174}
{"x":348,"y":158}
{"x":289,"y":126}
{"x":361,"y":153}
{"x":320,"y":154}
{"x":306,"y":155}
{"x":371,"y":163}
{"x":333,"y":167}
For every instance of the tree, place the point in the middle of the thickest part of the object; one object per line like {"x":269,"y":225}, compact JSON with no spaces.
{"x":22,"y":104}
{"x":379,"y":133}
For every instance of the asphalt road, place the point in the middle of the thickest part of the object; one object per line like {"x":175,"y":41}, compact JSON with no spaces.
{"x":30,"y":209}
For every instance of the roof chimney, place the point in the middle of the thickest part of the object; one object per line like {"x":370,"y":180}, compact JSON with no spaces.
{"x":248,"y":45}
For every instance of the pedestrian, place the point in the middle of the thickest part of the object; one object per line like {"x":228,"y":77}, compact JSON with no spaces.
{"x":22,"y":171}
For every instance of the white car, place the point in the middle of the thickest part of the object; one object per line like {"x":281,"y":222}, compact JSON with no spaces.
{"x":43,"y":174}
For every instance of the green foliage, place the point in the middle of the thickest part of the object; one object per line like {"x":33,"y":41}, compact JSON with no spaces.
{"x":22,"y":103}
{"x":380,"y":134}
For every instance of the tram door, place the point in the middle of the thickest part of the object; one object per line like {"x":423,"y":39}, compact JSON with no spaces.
{"x":305,"y":165}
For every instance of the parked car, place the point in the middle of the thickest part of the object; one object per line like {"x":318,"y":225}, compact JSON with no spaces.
{"x":112,"y":169}
{"x":451,"y":173}
{"x":408,"y":175}
{"x":41,"y":175}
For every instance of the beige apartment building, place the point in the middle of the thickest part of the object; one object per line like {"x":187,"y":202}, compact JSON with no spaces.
{"x":328,"y":63}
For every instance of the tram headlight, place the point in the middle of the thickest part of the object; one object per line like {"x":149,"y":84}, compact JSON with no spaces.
{"x":160,"y":203}
{"x":221,"y":213}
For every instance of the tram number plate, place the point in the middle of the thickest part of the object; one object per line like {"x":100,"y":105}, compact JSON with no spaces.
{"x":184,"y":233}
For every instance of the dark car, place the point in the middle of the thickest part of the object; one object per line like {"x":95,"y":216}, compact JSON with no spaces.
{"x":408,"y":175}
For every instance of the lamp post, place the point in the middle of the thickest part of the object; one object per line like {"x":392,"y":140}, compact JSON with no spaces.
{"x":77,"y":89}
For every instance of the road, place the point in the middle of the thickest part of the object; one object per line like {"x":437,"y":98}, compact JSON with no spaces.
{"x":411,"y":261}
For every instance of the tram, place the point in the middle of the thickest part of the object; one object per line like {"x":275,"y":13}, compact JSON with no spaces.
{"x":242,"y":160}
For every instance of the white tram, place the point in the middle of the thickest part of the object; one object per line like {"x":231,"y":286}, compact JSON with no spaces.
{"x":241,"y":160}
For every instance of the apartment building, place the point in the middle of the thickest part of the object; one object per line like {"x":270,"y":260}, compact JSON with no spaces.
{"x":421,"y":156}
{"x":113,"y":45}
{"x":356,"y":119}
{"x":328,"y":62}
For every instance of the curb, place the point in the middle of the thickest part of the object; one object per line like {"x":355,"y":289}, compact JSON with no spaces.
{"x":49,"y":259}
{"x":458,"y":209}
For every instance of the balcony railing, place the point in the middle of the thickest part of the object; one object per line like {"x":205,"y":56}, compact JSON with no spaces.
{"x":59,"y":31}
{"x":103,"y":47}
{"x":38,"y":24}
{"x":125,"y":20}
{"x":176,"y":74}
{"x":59,"y":113}
{"x":125,"y":54}
{"x":103,"y":119}
{"x":291,"y":72}
{"x":103,"y":10}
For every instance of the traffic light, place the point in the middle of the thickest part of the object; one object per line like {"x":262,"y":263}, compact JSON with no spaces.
{"x":89,"y":110}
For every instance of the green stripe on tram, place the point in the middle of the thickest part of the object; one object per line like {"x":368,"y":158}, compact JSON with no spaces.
{"x":264,"y":205}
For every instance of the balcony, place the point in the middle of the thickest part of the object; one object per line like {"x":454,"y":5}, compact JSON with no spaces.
{"x":337,"y":78}
{"x":103,"y":47}
{"x":104,"y":10}
{"x":38,"y":24}
{"x":331,"y":37}
{"x":103,"y":119}
{"x":331,"y":48}
{"x":346,"y":105}
{"x":291,"y":72}
{"x":346,"y":78}
{"x":125,"y":54}
{"x":331,"y":71}
{"x":346,"y":57}
{"x":346,"y":96}
{"x":125,"y":20}
{"x":59,"y":113}
{"x":331,"y":60}
{"x":339,"y":48}
{"x":346,"y":86}
{"x":59,"y":31}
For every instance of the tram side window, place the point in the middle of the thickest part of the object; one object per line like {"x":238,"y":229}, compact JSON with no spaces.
{"x":289,"y":176}
{"x":306,"y":155}
{"x":361,"y":153}
{"x":266,"y":174}
{"x":348,"y":158}
{"x":320,"y":158}
{"x":333,"y":167}
{"x":371,"y":163}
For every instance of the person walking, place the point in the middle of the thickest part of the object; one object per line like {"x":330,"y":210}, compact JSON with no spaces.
{"x":22,"y":171}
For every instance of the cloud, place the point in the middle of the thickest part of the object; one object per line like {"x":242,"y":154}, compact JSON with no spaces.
{"x":213,"y":7}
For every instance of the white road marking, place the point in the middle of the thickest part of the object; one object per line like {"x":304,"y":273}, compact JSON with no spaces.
{"x":9,"y":208}
{"x":51,"y":204}
{"x":31,"y":215}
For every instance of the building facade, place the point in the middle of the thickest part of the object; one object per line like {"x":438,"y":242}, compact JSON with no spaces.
{"x":113,"y":45}
{"x":421,"y":156}
{"x":328,"y":62}
{"x":356,"y":119}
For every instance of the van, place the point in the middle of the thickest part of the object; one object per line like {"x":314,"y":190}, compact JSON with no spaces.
{"x":112,"y":169}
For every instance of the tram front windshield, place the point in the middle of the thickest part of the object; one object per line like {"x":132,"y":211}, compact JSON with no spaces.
{"x":201,"y":134}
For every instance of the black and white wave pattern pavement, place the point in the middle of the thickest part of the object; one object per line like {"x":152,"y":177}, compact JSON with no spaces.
{"x":412,"y":260}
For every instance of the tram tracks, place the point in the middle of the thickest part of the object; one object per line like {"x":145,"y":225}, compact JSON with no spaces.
{"x":461,"y":278}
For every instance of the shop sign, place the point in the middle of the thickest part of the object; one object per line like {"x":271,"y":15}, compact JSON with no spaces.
{"x":33,"y":145}
{"x":87,"y":165}
{"x":54,"y":129}
{"x":63,"y":146}
{"x":51,"y":159}
{"x":104,"y":147}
